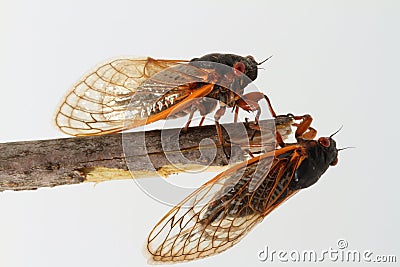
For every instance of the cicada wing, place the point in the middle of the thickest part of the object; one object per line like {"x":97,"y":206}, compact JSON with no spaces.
{"x":210,"y":220}
{"x":222,"y":211}
{"x":97,"y":103}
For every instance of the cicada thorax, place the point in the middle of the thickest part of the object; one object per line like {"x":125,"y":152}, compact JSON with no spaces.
{"x":319,"y":155}
{"x":232,"y":73}
{"x":246,"y":65}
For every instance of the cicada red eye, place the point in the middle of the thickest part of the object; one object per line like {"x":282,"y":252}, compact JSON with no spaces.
{"x":239,"y":68}
{"x":324,"y":141}
{"x":334,"y":162}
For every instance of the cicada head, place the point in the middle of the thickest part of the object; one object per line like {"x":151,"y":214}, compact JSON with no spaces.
{"x":251,"y":69}
{"x":241,"y":65}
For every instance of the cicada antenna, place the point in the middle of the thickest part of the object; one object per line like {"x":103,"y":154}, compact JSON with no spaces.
{"x":344,"y":148}
{"x":264,"y":60}
{"x":336,"y":131}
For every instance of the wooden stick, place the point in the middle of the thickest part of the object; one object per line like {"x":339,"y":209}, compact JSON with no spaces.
{"x":30,"y":165}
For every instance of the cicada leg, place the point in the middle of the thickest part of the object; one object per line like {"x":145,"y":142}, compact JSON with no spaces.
{"x":196,"y":106}
{"x":304,"y":130}
{"x":249,"y":102}
{"x":218,"y":114}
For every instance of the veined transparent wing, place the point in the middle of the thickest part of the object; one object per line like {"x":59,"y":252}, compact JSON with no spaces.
{"x":222,"y":211}
{"x":124,"y":90}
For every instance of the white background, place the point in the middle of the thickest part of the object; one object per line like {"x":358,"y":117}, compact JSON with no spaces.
{"x":337,"y":60}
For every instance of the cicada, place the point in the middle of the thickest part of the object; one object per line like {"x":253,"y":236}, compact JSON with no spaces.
{"x":126,"y":93}
{"x":223,"y":210}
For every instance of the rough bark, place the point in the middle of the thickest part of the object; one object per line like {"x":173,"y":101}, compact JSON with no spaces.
{"x":30,"y":165}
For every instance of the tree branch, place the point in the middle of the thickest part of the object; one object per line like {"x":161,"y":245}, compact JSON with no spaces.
{"x":30,"y":165}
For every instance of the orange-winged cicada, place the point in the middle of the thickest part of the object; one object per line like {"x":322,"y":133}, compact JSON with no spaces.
{"x":223,"y":210}
{"x":126,"y":93}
